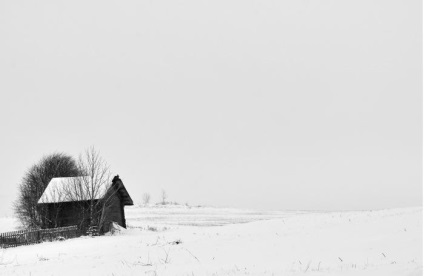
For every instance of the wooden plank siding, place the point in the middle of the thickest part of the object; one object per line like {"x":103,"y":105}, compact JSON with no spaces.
{"x":115,"y":213}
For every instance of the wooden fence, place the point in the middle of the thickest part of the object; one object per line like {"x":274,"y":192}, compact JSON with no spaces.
{"x":25,"y":237}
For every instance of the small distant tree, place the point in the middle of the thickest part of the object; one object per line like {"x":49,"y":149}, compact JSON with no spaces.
{"x":164,"y":196}
{"x":146,"y":198}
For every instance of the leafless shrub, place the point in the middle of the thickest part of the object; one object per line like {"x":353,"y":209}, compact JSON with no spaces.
{"x":164,"y":196}
{"x":146,"y":198}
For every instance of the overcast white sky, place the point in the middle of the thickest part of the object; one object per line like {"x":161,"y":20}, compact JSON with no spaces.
{"x":296,"y":104}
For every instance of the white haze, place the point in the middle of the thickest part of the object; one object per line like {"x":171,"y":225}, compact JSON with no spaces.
{"x":256,"y":104}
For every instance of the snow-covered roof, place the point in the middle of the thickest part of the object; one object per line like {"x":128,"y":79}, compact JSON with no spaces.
{"x":66,"y":189}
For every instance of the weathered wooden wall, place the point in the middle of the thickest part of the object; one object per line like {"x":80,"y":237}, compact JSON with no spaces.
{"x":115,"y":211}
{"x":71,"y":213}
{"x":66,"y":214}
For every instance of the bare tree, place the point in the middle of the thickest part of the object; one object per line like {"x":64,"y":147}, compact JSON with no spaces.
{"x":92,"y":191}
{"x":146,"y":198}
{"x":35,"y":182}
{"x":164,"y":196}
{"x":96,"y":182}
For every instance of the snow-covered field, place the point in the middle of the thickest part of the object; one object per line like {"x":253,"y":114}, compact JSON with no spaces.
{"x":180,"y":240}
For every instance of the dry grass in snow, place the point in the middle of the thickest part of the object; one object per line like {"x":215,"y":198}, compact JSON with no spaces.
{"x":178,"y":240}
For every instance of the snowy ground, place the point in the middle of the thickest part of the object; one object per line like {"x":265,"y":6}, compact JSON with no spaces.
{"x":179,"y":240}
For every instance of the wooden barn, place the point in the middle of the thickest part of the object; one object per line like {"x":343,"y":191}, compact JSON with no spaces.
{"x":78,"y":201}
